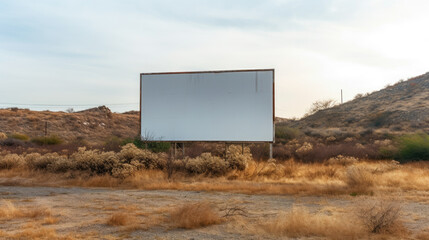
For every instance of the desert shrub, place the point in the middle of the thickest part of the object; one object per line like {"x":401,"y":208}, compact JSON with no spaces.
{"x":195,"y":149}
{"x":287,"y":133}
{"x":19,"y":136}
{"x":153,"y":146}
{"x":42,"y":162}
{"x":342,"y":160}
{"x":31,"y":159}
{"x":142,"y":158}
{"x":113,"y":143}
{"x":306,"y":147}
{"x":359,"y":95}
{"x":282,"y":152}
{"x":260,"y":151}
{"x":61,"y":165}
{"x":11,"y":161}
{"x":380,"y":119}
{"x":49,"y":140}
{"x":12,"y":142}
{"x":94,"y":161}
{"x":359,"y":179}
{"x":331,"y":139}
{"x":123,"y":170}
{"x":304,"y":150}
{"x":380,"y":216}
{"x":320,"y":105}
{"x":3,"y":136}
{"x":128,"y":152}
{"x":237,"y":157}
{"x":195,"y":215}
{"x":413,"y":147}
{"x":321,"y":152}
{"x":207,"y":164}
{"x":388,"y":152}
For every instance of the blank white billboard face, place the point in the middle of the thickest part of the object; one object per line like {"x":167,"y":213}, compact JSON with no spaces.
{"x":234,"y":106}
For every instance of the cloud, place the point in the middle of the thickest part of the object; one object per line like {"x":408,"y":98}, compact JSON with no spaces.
{"x":93,"y":51}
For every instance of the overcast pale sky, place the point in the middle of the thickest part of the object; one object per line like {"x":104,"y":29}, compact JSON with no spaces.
{"x":82,"y":52}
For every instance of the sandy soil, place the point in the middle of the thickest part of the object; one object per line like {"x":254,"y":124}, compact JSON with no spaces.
{"x":83,"y":212}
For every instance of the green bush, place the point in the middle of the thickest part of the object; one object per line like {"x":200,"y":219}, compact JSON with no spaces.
{"x":287,"y":133}
{"x":413,"y":147}
{"x":19,"y":136}
{"x":153,"y":146}
{"x":49,"y":140}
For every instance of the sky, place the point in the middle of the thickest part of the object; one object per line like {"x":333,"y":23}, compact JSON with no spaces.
{"x":84,"y":53}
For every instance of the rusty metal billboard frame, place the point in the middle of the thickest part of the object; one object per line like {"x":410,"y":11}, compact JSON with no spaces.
{"x":198,"y":72}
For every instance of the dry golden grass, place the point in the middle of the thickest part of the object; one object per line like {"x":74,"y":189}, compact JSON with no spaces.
{"x":35,"y":231}
{"x":364,"y":177}
{"x":9,"y":211}
{"x":194,"y":215}
{"x":423,"y":235}
{"x":119,"y":219}
{"x":299,"y":222}
{"x":359,"y":179}
{"x":50,"y":220}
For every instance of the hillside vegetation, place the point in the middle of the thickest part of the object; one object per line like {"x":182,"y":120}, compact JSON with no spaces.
{"x":94,"y":125}
{"x":400,"y":108}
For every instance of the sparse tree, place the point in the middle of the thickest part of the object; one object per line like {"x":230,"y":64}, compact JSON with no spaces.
{"x":320,"y":105}
{"x":359,"y":95}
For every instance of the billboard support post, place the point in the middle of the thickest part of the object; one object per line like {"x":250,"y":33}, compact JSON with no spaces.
{"x":271,"y":150}
{"x":183,"y":150}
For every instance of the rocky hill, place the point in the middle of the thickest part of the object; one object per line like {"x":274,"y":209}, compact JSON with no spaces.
{"x":94,"y":125}
{"x":402,"y":107}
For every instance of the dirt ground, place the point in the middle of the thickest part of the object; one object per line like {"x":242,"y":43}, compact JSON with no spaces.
{"x":74,"y":212}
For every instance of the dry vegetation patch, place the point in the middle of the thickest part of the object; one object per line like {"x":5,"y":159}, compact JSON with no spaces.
{"x":194,"y":215}
{"x":381,"y":217}
{"x":299,"y":222}
{"x":359,"y":179}
{"x":119,"y":219}
{"x":9,"y":211}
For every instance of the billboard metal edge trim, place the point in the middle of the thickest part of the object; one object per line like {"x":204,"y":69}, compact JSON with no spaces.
{"x":216,"y":71}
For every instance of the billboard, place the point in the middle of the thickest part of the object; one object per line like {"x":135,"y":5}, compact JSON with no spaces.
{"x":212,"y":106}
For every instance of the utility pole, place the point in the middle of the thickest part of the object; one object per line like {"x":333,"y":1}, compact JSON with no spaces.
{"x":341,"y":96}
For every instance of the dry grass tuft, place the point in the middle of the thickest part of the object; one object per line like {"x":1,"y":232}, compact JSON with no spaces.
{"x":381,"y":217}
{"x":423,"y":235}
{"x":299,"y":223}
{"x":119,"y":219}
{"x":195,"y":215}
{"x":50,"y":220}
{"x":32,"y":231}
{"x":9,"y":211}
{"x":359,"y":179}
